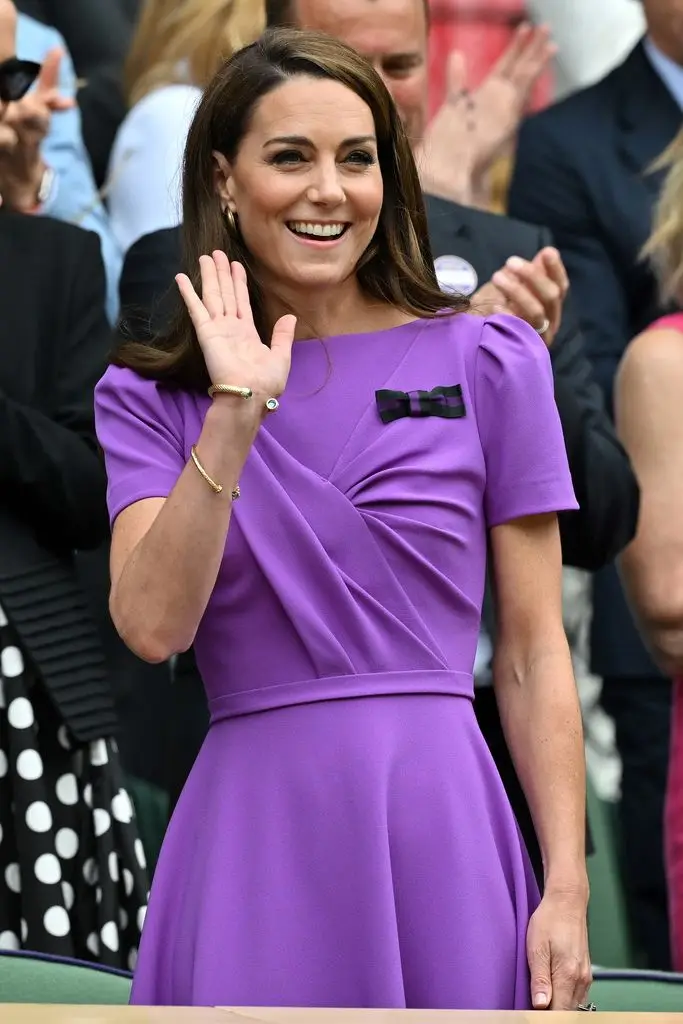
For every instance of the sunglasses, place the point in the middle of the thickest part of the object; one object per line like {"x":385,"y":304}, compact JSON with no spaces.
{"x":16,"y":78}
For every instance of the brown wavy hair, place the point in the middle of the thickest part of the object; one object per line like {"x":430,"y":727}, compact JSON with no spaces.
{"x":664,"y":247}
{"x":397,"y":268}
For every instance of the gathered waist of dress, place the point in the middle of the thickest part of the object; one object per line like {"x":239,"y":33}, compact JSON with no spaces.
{"x":367,"y":684}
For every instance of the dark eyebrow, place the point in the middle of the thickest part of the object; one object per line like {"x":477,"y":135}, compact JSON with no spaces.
{"x":300,"y":140}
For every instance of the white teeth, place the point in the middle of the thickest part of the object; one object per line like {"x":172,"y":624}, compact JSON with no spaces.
{"x":317,"y":230}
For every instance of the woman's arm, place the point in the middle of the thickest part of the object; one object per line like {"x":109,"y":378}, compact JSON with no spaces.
{"x":536,"y":692}
{"x":541,"y":718}
{"x":166,"y":552}
{"x":648,"y":403}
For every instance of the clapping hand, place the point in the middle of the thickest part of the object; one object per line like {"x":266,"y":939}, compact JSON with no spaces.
{"x":470,"y":130}
{"x":223,"y":321}
{"x":534,"y":290}
{"x":22,"y":130}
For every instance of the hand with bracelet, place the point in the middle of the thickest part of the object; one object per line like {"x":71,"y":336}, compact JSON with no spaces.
{"x":226,"y":332}
{"x":238,"y":362}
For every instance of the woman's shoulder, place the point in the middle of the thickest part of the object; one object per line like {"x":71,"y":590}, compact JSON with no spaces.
{"x":500,"y":339}
{"x":661,"y":343}
{"x":653,"y":359}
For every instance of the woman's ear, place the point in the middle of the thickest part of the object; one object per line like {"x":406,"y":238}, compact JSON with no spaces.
{"x":222,"y":180}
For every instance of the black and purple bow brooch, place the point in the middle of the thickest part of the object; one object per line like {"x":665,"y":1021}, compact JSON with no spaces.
{"x":445,"y":402}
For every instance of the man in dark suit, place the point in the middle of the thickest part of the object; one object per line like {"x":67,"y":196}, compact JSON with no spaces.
{"x":583,"y":169}
{"x":475,"y":245}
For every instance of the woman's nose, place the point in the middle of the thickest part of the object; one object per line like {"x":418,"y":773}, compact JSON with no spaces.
{"x":326,"y":186}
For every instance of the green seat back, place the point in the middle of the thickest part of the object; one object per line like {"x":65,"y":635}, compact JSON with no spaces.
{"x":637,"y":991}
{"x":151,"y":810}
{"x":608,"y":929}
{"x":33,"y":978}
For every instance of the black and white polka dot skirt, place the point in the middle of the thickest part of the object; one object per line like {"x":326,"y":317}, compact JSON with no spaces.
{"x":73,"y":879}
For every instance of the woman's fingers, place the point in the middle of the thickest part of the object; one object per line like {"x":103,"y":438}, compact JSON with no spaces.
{"x":242,"y":300}
{"x":583,"y":984}
{"x":283,"y":337}
{"x":195,"y":306}
{"x":225,"y":283}
{"x":211,"y":289}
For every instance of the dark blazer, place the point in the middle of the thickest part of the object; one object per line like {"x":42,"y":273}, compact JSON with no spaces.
{"x":54,"y":340}
{"x":582,"y":170}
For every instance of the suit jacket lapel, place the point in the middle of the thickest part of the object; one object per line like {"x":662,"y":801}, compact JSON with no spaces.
{"x":649,"y":116}
{"x":451,"y":234}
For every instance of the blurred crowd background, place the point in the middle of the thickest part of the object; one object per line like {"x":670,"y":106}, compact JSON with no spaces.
{"x":97,"y":147}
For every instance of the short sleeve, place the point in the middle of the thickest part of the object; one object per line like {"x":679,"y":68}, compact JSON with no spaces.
{"x":527,"y":471}
{"x":140,"y":430}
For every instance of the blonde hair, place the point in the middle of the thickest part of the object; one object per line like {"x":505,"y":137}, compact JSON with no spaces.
{"x":664,"y":247}
{"x":187,"y":41}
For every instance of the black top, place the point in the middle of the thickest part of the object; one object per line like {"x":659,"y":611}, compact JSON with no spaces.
{"x":54,"y":340}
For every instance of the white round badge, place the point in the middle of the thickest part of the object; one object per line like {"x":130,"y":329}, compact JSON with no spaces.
{"x":455,"y":275}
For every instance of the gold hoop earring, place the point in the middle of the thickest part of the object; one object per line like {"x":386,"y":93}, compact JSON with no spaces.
{"x":231,"y":220}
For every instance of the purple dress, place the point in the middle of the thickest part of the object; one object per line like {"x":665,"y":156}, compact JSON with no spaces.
{"x":344,"y":838}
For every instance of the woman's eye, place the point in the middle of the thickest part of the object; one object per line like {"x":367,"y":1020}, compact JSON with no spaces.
{"x":287,"y":156}
{"x":361,"y":156}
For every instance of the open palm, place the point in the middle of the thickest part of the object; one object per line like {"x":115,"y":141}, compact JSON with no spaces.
{"x":470,"y":129}
{"x":223,"y":321}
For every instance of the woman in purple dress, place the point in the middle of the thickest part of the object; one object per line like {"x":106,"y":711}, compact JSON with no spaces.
{"x":344,"y":838}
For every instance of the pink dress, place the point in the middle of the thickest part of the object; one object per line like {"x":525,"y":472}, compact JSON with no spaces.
{"x":673,"y":813}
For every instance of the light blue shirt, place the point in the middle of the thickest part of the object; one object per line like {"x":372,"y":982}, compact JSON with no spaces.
{"x":74,"y":196}
{"x":668,"y":70}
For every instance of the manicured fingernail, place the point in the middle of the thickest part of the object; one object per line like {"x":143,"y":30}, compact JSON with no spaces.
{"x":515,"y":263}
{"x":540,"y":999}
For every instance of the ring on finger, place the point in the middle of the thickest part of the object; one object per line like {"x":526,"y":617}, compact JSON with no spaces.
{"x":544,"y":326}
{"x":590,"y":1007}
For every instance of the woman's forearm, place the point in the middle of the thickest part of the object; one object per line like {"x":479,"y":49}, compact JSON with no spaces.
{"x":166,"y":581}
{"x":541,"y":719}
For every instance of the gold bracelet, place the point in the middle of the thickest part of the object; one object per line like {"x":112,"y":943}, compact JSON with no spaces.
{"x":215,"y":487}
{"x":229,"y":389}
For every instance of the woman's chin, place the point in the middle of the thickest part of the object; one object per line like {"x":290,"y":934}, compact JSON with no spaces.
{"x":317,"y":277}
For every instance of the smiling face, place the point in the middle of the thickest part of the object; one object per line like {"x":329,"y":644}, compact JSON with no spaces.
{"x":305,"y":184}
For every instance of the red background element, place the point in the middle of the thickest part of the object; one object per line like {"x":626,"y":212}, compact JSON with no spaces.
{"x":481,"y":29}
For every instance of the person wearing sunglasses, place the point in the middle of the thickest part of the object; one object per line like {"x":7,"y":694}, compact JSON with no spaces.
{"x":16,"y":78}
{"x":44,"y":167}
